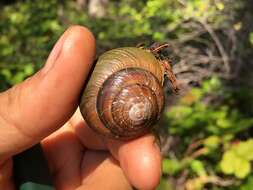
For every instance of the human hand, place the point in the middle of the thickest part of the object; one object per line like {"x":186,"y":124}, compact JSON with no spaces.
{"x":41,"y":110}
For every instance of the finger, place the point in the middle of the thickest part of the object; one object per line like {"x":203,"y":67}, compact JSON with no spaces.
{"x":101,"y":171}
{"x":140,"y":160}
{"x":35,"y":108}
{"x":89,"y":138}
{"x":64,"y":154}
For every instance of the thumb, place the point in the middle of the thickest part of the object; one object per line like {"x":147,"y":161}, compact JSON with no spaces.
{"x":40,"y":105}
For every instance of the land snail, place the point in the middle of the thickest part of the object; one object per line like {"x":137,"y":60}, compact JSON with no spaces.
{"x":124,"y":96}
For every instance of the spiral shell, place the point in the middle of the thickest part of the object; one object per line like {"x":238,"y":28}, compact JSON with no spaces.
{"x":124,"y":96}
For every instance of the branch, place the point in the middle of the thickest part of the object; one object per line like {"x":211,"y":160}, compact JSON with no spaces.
{"x":215,"y":38}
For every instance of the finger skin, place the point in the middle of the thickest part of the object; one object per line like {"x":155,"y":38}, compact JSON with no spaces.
{"x":87,"y":136}
{"x":35,"y":108}
{"x":140,"y":159}
{"x":64,"y":153}
{"x":101,"y":171}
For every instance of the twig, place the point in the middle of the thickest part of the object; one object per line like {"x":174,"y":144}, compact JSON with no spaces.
{"x":221,"y":49}
{"x":166,"y":145}
{"x":199,"y":152}
{"x":217,"y":180}
{"x":193,"y":145}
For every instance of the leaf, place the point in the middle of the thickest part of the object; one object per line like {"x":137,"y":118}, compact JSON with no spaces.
{"x":6,"y":73}
{"x":19,"y":77}
{"x":28,"y":69}
{"x":220,"y":6}
{"x":248,"y":185}
{"x":215,"y":83}
{"x":232,"y":163}
{"x":243,"y":124}
{"x":224,"y":123}
{"x":245,"y":149}
{"x":158,"y":36}
{"x":171,"y":166}
{"x":212,"y":142}
{"x":227,"y":162}
{"x":164,"y":185}
{"x":242,"y":168}
{"x":179,"y":112}
{"x":198,"y":167}
{"x":192,"y":96}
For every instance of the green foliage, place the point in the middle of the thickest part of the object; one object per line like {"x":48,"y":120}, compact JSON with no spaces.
{"x":198,"y":167}
{"x":236,"y":160}
{"x":28,"y":31}
{"x":195,"y":116}
{"x":209,"y":144}
{"x":164,"y":185}
{"x":248,"y":184}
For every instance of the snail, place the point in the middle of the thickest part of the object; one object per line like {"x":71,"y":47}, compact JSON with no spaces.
{"x":124,"y":96}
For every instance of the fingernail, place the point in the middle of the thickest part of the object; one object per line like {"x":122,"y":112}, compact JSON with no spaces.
{"x":55,"y":53}
{"x":70,"y":40}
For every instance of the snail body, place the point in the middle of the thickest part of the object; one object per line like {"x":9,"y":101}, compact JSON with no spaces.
{"x":124,"y":98}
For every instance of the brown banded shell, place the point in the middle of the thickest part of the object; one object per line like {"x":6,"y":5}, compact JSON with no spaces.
{"x":124,"y":97}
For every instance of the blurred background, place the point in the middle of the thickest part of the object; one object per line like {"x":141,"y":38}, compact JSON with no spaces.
{"x":206,"y":131}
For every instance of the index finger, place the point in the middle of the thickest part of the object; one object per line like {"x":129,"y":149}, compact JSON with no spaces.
{"x":140,"y":159}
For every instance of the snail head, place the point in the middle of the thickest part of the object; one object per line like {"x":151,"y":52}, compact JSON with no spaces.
{"x":156,"y":49}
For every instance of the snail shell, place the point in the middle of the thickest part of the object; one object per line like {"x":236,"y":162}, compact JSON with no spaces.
{"x":124,"y":96}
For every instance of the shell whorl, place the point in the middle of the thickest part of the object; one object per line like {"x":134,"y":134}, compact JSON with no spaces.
{"x":124,"y":96}
{"x":130,"y":102}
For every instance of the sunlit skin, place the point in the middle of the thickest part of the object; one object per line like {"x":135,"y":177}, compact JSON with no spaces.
{"x":44,"y":108}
